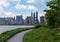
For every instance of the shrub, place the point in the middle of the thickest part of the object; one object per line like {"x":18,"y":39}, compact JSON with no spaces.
{"x":44,"y":25}
{"x":37,"y":26}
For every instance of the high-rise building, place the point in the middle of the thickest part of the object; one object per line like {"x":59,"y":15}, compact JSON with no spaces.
{"x":10,"y":20}
{"x":34,"y":17}
{"x":2,"y":21}
{"x":42,"y":20}
{"x":28,"y":20}
{"x":19,"y":19}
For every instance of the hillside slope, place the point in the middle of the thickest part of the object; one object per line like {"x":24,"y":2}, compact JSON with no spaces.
{"x":42,"y":35}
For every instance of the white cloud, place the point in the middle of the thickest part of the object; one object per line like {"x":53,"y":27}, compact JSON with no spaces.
{"x":16,"y":0}
{"x":42,"y":0}
{"x":48,"y":8}
{"x":3,"y":13}
{"x":28,"y":7}
{"x":4,"y":3}
{"x":20,"y":6}
{"x":34,"y":1}
{"x":30,"y":1}
{"x":8,"y":14}
{"x":39,"y":15}
{"x":25,"y":15}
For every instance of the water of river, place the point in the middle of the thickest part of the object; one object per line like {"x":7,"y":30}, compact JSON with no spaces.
{"x":4,"y":28}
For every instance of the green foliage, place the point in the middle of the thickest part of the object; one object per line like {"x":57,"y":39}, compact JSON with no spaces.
{"x":4,"y":33}
{"x":37,"y":26}
{"x":44,"y":25}
{"x":53,"y":14}
{"x":40,"y":25}
{"x":8,"y":34}
{"x":42,"y":35}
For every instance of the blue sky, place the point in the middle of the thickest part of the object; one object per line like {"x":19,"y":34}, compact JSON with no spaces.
{"x":11,"y":8}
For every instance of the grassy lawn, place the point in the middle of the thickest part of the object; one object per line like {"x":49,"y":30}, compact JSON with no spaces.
{"x":42,"y":35}
{"x":8,"y":34}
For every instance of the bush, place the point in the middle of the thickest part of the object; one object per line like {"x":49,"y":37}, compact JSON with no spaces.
{"x":37,"y":26}
{"x":40,"y":25}
{"x":44,"y":25}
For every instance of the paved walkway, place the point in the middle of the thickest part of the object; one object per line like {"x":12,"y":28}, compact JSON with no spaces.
{"x":18,"y":37}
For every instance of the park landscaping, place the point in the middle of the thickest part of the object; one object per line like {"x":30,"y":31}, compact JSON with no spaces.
{"x":50,"y":33}
{"x":8,"y":34}
{"x":42,"y":34}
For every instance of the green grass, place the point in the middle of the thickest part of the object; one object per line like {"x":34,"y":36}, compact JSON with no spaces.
{"x":42,"y":35}
{"x":8,"y":34}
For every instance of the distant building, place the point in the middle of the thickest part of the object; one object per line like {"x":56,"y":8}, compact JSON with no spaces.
{"x":28,"y":20}
{"x":10,"y":20}
{"x":42,"y":20}
{"x":2,"y":21}
{"x":34,"y":17}
{"x":19,"y":19}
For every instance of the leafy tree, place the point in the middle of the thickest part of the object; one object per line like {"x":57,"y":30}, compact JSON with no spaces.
{"x":53,"y":14}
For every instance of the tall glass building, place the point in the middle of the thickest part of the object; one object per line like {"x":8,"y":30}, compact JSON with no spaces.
{"x":19,"y":19}
{"x":34,"y":17}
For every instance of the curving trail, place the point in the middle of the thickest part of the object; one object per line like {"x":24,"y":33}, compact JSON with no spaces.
{"x":18,"y":37}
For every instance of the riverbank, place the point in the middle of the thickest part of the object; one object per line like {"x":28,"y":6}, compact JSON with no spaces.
{"x":8,"y":34}
{"x":4,"y":28}
{"x":42,"y":35}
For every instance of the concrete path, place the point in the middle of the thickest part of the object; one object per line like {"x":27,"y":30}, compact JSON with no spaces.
{"x":18,"y":37}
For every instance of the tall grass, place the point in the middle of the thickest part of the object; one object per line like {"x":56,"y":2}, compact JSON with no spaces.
{"x":42,"y":35}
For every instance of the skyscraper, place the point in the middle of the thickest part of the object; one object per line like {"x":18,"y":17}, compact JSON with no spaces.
{"x":19,"y":19}
{"x":28,"y":20}
{"x":42,"y":20}
{"x":2,"y":21}
{"x":34,"y":17}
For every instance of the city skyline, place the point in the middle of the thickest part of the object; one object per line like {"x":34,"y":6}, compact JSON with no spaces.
{"x":18,"y":20}
{"x":31,"y":13}
{"x":10,"y":8}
